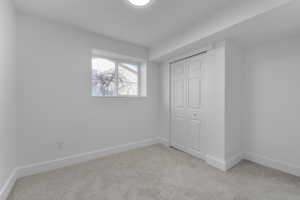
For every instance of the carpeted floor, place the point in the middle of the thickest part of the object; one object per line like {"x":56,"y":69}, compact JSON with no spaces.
{"x":157,"y":173}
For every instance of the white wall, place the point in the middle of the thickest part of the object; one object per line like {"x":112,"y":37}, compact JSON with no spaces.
{"x":234,"y":64}
{"x":54,"y":95}
{"x":215,"y":103}
{"x":271,"y":102}
{"x":7,"y":91}
{"x":164,"y":106}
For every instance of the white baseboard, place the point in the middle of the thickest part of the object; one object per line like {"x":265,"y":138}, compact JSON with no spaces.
{"x":221,"y":164}
{"x":233,"y":161}
{"x":8,"y":185}
{"x":215,"y":162}
{"x":79,"y":158}
{"x":164,"y":141}
{"x":197,"y":154}
{"x":263,"y":160}
{"x":275,"y":164}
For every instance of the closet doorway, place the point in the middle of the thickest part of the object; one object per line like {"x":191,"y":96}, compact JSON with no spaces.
{"x":188,"y":104}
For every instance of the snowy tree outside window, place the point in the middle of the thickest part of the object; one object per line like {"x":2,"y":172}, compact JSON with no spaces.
{"x":113,"y":78}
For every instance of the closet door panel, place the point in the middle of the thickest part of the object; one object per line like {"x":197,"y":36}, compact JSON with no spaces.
{"x":194,"y":134}
{"x":195,"y":67}
{"x":195,"y":78}
{"x":194,"y":93}
{"x":180,"y":136}
{"x":179,"y":126}
{"x":179,"y":94}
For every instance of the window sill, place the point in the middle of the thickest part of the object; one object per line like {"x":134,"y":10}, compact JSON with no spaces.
{"x":121,"y":97}
{"x":127,"y":98}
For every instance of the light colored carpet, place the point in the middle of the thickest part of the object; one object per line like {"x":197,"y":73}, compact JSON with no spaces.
{"x":157,"y":173}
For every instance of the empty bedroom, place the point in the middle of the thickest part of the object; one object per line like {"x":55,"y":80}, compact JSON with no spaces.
{"x":149,"y":100}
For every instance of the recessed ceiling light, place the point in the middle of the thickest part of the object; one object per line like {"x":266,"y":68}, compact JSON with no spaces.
{"x":140,"y":3}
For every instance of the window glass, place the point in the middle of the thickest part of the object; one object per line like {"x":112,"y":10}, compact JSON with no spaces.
{"x":113,"y":78}
{"x":128,"y":79}
{"x":103,"y":77}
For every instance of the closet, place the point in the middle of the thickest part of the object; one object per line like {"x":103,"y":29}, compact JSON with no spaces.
{"x":188,"y":102}
{"x":205,"y":107}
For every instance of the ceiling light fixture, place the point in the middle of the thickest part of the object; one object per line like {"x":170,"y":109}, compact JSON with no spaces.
{"x":140,"y":3}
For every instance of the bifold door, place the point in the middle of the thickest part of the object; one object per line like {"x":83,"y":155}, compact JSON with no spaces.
{"x":187,"y":103}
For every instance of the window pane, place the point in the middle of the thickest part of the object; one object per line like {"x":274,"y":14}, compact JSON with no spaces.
{"x":103,"y":77}
{"x":99,"y":90}
{"x":128,"y":79}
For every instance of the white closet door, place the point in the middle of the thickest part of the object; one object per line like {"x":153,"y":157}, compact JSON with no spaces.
{"x":195,"y":75}
{"x":187,"y":104}
{"x":178,"y":138}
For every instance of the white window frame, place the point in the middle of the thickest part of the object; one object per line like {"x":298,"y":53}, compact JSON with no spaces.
{"x":117,"y":62}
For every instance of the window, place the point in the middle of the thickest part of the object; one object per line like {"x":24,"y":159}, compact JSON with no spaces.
{"x":113,"y":78}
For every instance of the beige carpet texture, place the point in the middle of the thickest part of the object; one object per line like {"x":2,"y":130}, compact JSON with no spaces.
{"x":157,"y":173}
